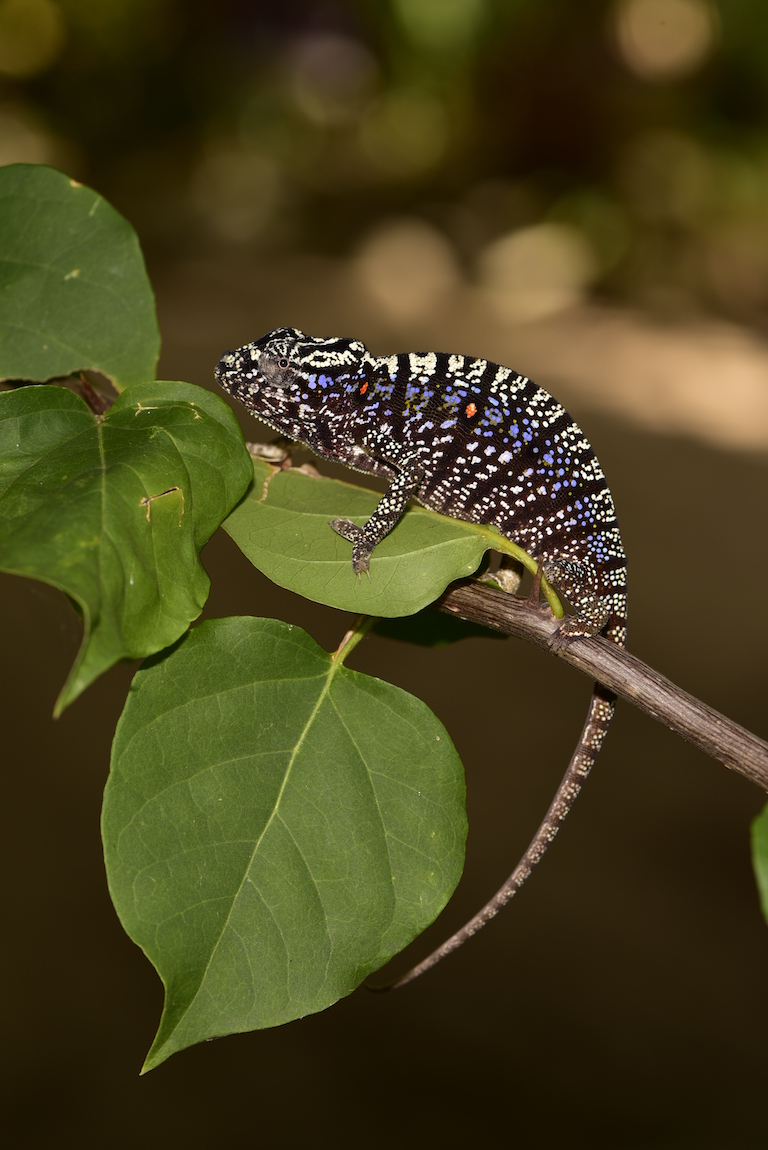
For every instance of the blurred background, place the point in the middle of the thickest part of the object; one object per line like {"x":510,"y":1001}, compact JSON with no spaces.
{"x":580,"y":191}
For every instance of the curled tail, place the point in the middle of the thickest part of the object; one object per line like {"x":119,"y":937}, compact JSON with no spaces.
{"x":601,"y":708}
{"x":595,"y":612}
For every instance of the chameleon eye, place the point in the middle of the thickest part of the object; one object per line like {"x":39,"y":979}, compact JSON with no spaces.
{"x":283,"y":362}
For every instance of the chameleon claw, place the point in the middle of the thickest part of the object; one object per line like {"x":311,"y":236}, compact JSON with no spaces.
{"x":360,"y":563}
{"x":360,"y":554}
{"x":569,"y":631}
{"x":561,"y":639}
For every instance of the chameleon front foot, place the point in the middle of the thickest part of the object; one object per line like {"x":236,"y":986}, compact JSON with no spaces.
{"x":361,"y":552}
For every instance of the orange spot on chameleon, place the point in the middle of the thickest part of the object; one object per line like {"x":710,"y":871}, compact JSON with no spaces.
{"x":470,"y":410}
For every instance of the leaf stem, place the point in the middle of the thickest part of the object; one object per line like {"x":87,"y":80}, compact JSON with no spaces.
{"x":357,"y":631}
{"x":500,"y":543}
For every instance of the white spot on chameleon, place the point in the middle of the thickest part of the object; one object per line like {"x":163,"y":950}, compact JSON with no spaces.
{"x":423,"y":363}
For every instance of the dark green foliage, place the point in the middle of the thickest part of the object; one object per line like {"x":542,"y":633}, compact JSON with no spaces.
{"x":276,"y":827}
{"x":114,"y":510}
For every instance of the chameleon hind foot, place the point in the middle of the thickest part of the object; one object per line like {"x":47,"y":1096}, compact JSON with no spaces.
{"x":567,"y":633}
{"x":361,"y":551}
{"x":346,"y":529}
{"x":578,"y":582}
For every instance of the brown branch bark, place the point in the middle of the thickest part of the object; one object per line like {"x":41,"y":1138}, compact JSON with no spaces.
{"x":627,"y":676}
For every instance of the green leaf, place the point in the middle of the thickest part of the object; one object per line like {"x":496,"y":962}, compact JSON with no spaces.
{"x":283,"y":527}
{"x":760,"y":857}
{"x":114,"y":510}
{"x":74,"y":291}
{"x":275,"y":826}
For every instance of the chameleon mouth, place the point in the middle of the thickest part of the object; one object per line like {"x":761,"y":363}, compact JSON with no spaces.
{"x":236,"y":375}
{"x":227,"y":365}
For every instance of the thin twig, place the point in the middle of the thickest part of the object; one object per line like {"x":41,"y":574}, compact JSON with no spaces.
{"x":627,"y":676}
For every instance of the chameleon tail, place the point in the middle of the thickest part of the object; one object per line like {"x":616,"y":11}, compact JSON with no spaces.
{"x":598,"y":719}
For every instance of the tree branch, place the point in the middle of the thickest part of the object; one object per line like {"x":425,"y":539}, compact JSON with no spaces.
{"x":627,"y":676}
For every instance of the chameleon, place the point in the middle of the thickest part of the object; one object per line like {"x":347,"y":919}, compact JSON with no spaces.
{"x":473,"y":440}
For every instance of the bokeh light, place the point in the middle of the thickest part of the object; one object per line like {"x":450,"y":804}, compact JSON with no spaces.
{"x":538,"y":271}
{"x":408,"y":269}
{"x":31,"y":36}
{"x":441,"y":24}
{"x":664,"y":39}
{"x":665,"y":176}
{"x":333,"y":77}
{"x":405,"y":133}
{"x":24,"y":140}
{"x":236,"y":191}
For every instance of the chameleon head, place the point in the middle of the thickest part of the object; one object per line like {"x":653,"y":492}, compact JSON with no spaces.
{"x":261,"y":371}
{"x":285,"y":376}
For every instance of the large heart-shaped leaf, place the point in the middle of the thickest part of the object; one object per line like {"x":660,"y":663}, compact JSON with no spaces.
{"x":114,"y":509}
{"x":282,"y":526}
{"x":74,"y":291}
{"x":275,"y":826}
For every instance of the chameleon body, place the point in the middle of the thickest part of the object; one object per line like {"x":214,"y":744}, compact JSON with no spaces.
{"x":470,"y":439}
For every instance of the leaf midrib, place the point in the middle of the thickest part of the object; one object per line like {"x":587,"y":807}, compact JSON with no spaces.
{"x":333,"y":668}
